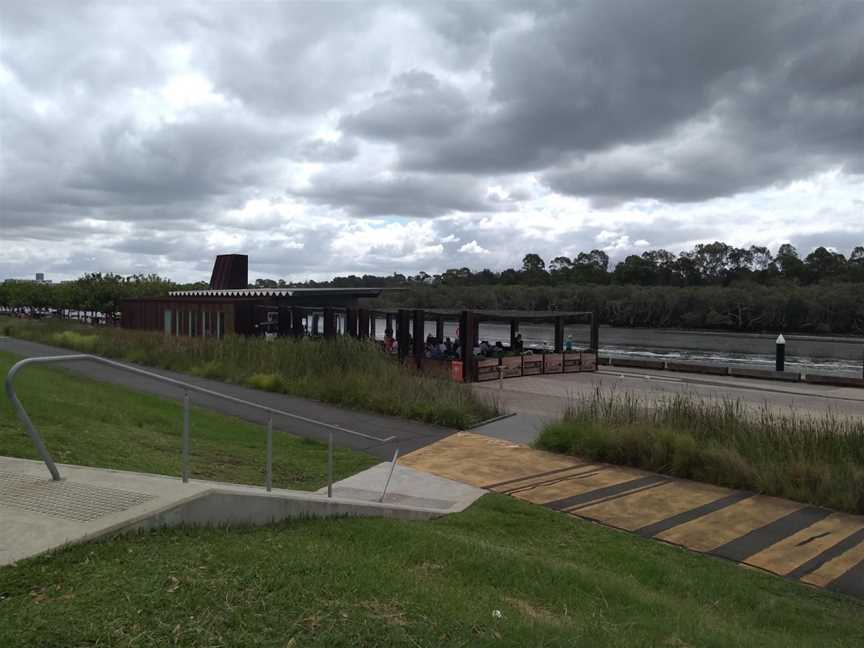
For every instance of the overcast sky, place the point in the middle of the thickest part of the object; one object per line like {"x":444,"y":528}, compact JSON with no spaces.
{"x":327,"y":138}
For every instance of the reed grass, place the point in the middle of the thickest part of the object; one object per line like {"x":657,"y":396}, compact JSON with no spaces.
{"x":344,"y":371}
{"x":807,"y":458}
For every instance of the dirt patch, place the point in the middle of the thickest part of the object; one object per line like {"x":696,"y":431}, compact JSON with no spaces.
{"x":387,"y":612}
{"x":536,"y":613}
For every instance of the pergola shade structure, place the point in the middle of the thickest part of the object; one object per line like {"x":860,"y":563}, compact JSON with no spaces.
{"x":411,"y":345}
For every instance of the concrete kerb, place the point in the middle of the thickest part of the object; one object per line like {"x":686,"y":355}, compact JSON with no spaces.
{"x":229,"y":508}
{"x":494,"y":419}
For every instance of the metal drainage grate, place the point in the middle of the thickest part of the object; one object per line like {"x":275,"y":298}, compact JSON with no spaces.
{"x":64,"y":499}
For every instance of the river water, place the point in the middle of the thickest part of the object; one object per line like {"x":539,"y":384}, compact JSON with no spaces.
{"x":838,"y":356}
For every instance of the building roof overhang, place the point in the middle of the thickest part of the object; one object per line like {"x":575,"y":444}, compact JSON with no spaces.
{"x":279,"y":292}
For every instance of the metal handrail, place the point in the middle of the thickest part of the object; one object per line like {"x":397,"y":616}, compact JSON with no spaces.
{"x":36,"y":438}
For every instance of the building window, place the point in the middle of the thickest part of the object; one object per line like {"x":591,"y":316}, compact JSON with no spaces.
{"x":220,"y":325}
{"x":167,"y":322}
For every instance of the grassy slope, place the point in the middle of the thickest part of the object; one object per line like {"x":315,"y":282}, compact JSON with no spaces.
{"x":557,"y":582}
{"x":345,"y":371}
{"x":97,"y":424}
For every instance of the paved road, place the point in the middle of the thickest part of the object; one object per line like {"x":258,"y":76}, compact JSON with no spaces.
{"x":410,"y":435}
{"x":537,"y":399}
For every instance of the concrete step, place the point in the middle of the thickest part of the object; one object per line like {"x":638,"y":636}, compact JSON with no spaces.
{"x":39,"y":515}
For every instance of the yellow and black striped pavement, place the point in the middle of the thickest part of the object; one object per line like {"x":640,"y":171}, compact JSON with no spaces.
{"x":807,"y":543}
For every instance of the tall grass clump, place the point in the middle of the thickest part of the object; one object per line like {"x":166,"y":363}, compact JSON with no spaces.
{"x":344,"y":371}
{"x":803,"y":457}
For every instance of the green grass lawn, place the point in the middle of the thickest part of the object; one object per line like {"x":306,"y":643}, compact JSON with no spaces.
{"x":556,"y":581}
{"x":98,"y":424}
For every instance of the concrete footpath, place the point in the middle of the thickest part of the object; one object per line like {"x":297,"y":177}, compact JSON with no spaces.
{"x":547,"y":396}
{"x":810,"y":544}
{"x":409,"y":435}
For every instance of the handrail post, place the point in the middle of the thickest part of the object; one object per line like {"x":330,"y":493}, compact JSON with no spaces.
{"x":184,"y":469}
{"x":28,"y":424}
{"x":330,"y":465}
{"x":389,"y":475}
{"x":268,"y":473}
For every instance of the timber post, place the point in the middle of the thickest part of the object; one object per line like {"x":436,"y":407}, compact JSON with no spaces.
{"x":297,"y":329}
{"x":595,"y":331}
{"x":419,"y":329}
{"x":467,"y":330}
{"x":559,"y":334}
{"x":351,"y":322}
{"x":514,"y":331}
{"x":329,"y":322}
{"x":363,"y":324}
{"x":284,"y":328}
{"x":403,"y":332}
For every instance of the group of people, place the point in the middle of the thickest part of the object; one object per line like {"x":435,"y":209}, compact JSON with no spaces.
{"x":436,"y":348}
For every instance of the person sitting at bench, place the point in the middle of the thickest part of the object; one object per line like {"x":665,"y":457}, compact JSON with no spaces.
{"x":389,"y":341}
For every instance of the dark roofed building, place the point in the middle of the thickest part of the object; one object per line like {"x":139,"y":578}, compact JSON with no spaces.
{"x":230,"y":307}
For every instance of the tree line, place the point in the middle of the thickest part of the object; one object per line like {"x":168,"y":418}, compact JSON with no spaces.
{"x":708,"y":264}
{"x":713,"y":286}
{"x":743,"y":307}
{"x":92,"y":292}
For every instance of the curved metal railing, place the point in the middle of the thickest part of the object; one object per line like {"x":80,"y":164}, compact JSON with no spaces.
{"x":36,"y":438}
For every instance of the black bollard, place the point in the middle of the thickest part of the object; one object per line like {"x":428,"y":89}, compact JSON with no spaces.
{"x":781,"y":352}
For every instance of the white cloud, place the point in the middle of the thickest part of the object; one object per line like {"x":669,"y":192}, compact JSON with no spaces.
{"x":473,"y":248}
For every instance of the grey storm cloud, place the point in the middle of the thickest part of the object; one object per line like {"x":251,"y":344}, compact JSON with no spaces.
{"x":135,"y":130}
{"x":176,"y":162}
{"x":403,"y":195}
{"x":784,"y":80}
{"x":416,"y":105}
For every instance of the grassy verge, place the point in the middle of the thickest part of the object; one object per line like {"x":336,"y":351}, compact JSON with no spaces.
{"x":556,"y":581}
{"x":97,"y":424}
{"x":817,"y":460}
{"x":344,"y":371}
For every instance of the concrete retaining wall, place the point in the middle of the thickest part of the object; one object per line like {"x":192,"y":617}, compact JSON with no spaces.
{"x":635,"y":362}
{"x":698,"y":368}
{"x":225,"y":508}
{"x":840,"y":381}
{"x":740,"y":372}
{"x":766,"y":374}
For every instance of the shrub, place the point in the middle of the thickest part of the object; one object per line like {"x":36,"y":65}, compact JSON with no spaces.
{"x":266,"y":381}
{"x":818,"y":460}
{"x":210,"y":369}
{"x":77,"y":341}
